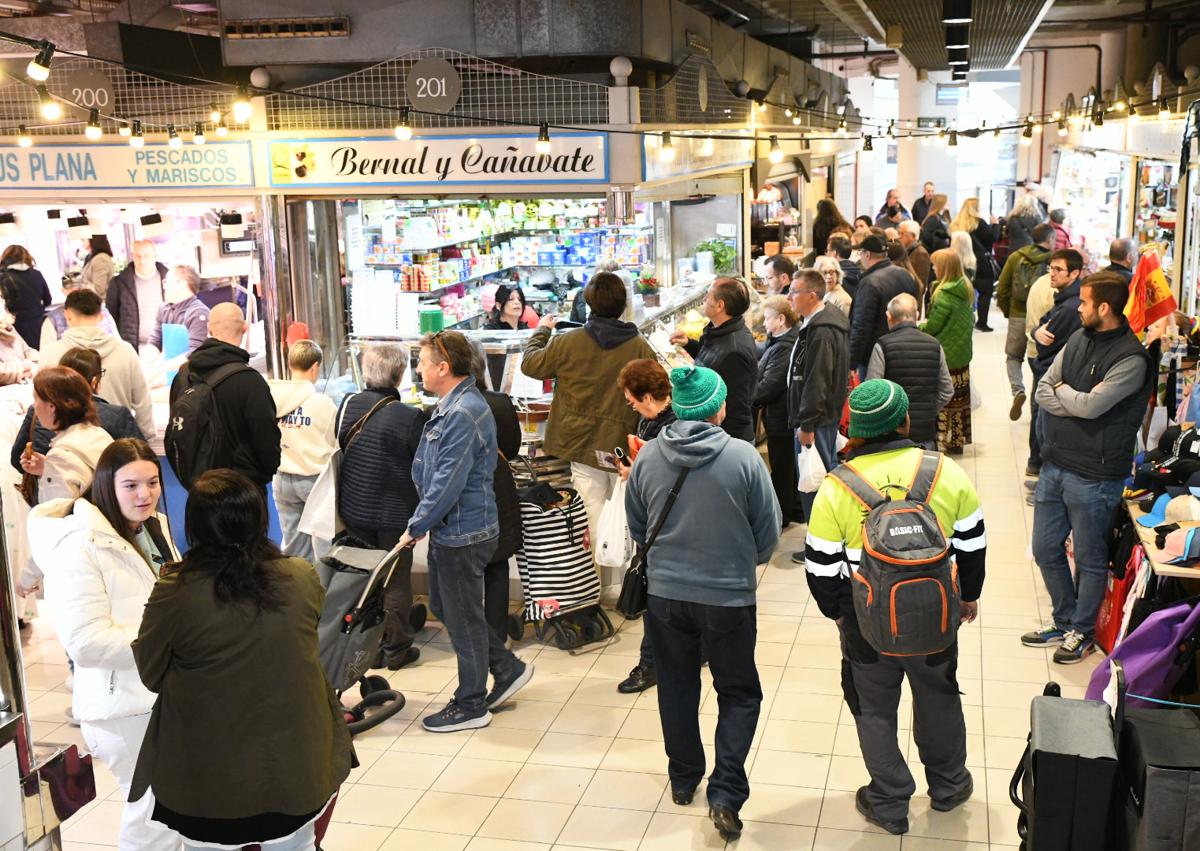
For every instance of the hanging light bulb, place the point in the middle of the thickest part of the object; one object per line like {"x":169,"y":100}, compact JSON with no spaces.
{"x":666,"y":148}
{"x":403,"y":129}
{"x":1076,"y":119}
{"x":1119,"y":102}
{"x":953,"y":143}
{"x":123,"y":129}
{"x":1057,"y":114}
{"x":762,"y":105}
{"x":867,"y":146}
{"x":891,"y":130}
{"x":50,"y":108}
{"x":1134,"y":118}
{"x":242,"y":109}
{"x":1027,"y":135}
{"x":942,"y":133}
{"x":996,"y":133}
{"x":788,"y":112}
{"x":796,"y":120}
{"x":214,"y":113}
{"x":775,"y":155}
{"x":23,"y":137}
{"x":136,"y":139}
{"x":93,"y":130}
{"x":198,"y":134}
{"x":841,"y":128}
{"x":1164,"y":111}
{"x":1098,"y":116}
{"x":222,"y":128}
{"x":1062,"y":128}
{"x":38,"y":68}
{"x":173,"y":137}
{"x":1037,"y":128}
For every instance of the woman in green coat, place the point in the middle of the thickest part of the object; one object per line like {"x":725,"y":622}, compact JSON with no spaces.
{"x":247,"y":743}
{"x":951,"y":319}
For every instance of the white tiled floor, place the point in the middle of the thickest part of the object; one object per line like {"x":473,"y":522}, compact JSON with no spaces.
{"x":574,"y":764}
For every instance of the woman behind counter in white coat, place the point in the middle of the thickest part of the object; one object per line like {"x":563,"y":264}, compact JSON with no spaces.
{"x":101,"y":555}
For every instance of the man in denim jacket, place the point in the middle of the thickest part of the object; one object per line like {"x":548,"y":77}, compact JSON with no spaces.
{"x":453,"y":471}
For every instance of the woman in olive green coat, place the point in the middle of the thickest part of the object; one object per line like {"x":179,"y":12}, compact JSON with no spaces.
{"x":247,"y":742}
{"x":951,"y":320}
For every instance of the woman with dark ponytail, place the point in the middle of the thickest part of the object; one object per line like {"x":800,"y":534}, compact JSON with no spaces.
{"x":229,"y":642}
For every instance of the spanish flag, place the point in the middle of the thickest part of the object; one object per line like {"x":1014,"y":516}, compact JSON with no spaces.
{"x":1150,"y":296}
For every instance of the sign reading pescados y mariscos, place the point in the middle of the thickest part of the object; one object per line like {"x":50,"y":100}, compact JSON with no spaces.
{"x":439,"y":160}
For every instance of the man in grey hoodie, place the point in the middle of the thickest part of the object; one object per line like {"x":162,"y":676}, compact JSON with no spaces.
{"x":701,"y":575}
{"x":122,"y":383}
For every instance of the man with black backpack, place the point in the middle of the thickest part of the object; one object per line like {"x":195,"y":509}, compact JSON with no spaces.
{"x":222,"y":413}
{"x":1021,"y":269}
{"x":895,"y":556}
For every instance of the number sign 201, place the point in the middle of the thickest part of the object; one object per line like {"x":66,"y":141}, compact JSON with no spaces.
{"x":433,"y":85}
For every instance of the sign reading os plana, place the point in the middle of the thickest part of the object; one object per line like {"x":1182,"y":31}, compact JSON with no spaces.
{"x":439,"y":160}
{"x":119,"y":166}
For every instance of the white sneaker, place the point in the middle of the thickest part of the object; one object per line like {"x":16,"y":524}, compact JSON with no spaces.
{"x":69,"y":682}
{"x":71,"y":719}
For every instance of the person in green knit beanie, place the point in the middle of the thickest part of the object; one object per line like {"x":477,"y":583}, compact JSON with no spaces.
{"x":877,"y":407}
{"x":697,"y":393}
{"x":711,"y":499}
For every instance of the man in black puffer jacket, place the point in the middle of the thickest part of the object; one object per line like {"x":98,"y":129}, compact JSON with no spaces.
{"x":879,"y":284}
{"x":727,"y":348}
{"x":915,"y":361}
{"x":378,"y":435}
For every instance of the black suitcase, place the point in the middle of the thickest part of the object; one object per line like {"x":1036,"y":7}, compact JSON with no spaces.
{"x":1067,"y":777}
{"x":1160,"y":779}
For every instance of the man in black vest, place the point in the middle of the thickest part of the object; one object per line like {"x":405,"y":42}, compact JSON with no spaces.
{"x":1092,"y":399}
{"x":915,"y":361}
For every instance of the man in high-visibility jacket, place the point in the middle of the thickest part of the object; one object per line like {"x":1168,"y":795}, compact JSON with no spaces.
{"x":882,"y":454}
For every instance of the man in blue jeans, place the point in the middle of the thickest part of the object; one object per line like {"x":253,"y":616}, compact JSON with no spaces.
{"x":453,"y":471}
{"x":818,"y":374}
{"x":702,"y":579}
{"x":1092,"y":399}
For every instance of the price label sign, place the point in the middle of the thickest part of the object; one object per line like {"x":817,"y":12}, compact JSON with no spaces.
{"x":87,"y":90}
{"x":433,"y":85}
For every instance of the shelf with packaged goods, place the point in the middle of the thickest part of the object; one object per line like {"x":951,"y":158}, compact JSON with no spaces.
{"x":501,"y":236}
{"x":481,"y":276}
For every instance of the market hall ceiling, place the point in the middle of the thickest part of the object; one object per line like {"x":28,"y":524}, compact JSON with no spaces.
{"x":999,"y":31}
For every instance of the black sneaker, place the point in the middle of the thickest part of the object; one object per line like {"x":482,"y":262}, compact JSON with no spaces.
{"x":1031,"y":485}
{"x":1018,"y":402}
{"x":504,"y":690}
{"x":863,"y":805}
{"x":1033,"y":470}
{"x":1075,"y":648}
{"x":683,"y":797}
{"x":726,"y":821}
{"x":798,"y":558}
{"x":454,"y":718}
{"x":396,"y":661}
{"x":957,"y":799}
{"x":640,"y":678}
{"x":1051,"y":636}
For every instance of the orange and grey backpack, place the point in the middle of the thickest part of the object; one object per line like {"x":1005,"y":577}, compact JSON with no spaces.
{"x":906,"y":593}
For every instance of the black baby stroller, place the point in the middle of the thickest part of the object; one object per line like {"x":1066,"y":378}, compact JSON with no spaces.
{"x":351,"y":630}
{"x":558,"y":578}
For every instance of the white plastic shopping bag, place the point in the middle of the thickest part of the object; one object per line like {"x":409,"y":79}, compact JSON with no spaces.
{"x":320,"y":516}
{"x":810,"y":469}
{"x":613,"y":546}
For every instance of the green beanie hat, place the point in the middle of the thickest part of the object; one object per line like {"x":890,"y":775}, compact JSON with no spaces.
{"x":696,"y":392}
{"x":877,"y":407}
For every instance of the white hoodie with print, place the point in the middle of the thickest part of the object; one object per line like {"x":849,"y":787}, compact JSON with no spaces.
{"x":306,"y":426}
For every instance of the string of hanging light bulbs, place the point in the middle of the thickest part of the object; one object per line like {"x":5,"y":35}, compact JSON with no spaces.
{"x":240,"y":111}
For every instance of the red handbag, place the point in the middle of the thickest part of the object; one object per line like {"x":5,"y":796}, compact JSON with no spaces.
{"x":844,"y":425}
{"x":1116,"y":594}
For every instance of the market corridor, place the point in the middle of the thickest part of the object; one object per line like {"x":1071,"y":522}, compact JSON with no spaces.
{"x":574,"y":764}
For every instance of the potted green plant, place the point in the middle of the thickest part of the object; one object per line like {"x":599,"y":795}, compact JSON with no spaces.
{"x":724,"y":255}
{"x":647,"y":285}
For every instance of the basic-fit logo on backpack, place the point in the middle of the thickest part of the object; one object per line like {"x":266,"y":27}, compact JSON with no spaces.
{"x":905,"y":590}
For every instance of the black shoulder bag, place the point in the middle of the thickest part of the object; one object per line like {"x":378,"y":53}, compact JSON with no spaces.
{"x":632,"y":601}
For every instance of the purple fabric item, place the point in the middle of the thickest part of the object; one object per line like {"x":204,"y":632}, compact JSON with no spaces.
{"x":1148,"y":654}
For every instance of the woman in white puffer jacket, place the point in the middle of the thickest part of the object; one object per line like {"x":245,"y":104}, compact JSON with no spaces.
{"x":101,"y":555}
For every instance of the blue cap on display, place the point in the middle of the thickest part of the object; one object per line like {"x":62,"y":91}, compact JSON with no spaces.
{"x":1172,"y":509}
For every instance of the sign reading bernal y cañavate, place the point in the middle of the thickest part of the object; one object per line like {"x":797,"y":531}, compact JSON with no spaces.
{"x":439,"y":160}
